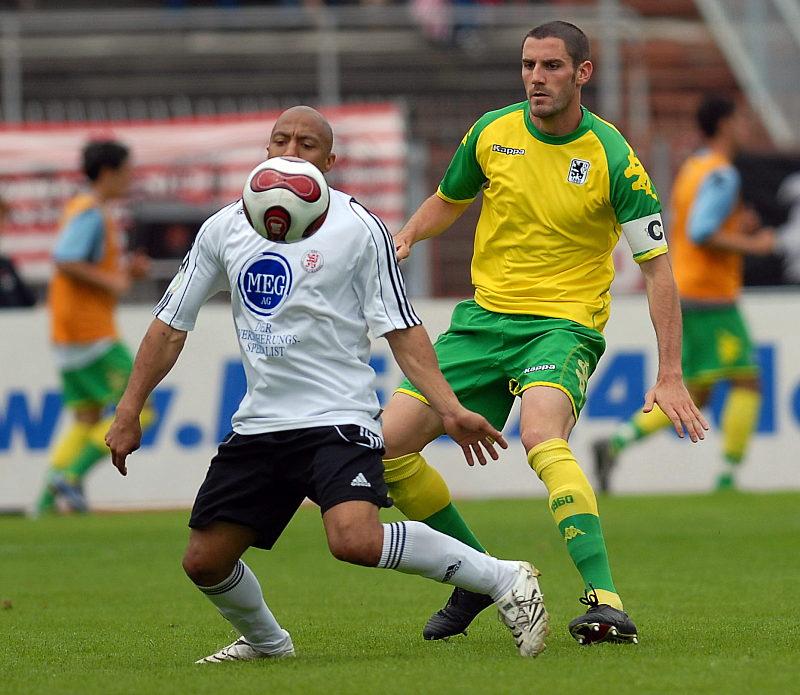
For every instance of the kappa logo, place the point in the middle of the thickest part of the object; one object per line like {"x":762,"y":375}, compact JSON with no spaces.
{"x":507,"y":150}
{"x":451,"y":571}
{"x":360,"y":481}
{"x":572,"y":532}
{"x":636,"y":171}
{"x":578,"y":171}
{"x":539,"y":368}
{"x":582,"y":372}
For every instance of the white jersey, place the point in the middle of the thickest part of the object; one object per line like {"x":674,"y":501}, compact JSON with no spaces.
{"x":302,"y":313}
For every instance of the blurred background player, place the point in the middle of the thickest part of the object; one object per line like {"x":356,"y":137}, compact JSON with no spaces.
{"x":14,"y":293}
{"x":712,"y":231}
{"x":90,"y":276}
{"x":560,"y":186}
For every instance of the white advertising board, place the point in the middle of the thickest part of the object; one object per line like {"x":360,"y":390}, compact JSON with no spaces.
{"x":197,"y":398}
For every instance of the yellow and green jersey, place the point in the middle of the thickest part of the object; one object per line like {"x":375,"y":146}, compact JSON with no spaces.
{"x":553,"y":209}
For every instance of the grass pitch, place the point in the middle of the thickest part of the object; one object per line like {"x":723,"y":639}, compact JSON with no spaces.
{"x":99,"y":604}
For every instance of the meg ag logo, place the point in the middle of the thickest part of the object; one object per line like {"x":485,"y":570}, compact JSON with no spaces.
{"x":264,"y":283}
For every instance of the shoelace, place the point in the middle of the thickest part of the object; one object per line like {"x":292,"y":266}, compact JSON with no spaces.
{"x":527,"y":606}
{"x":590,"y":599}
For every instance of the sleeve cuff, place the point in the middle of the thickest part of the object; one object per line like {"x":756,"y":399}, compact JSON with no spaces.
{"x":455,"y":201}
{"x":648,"y":255}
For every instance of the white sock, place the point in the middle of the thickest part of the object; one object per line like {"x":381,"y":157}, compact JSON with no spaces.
{"x":241,"y":603}
{"x":414,"y":548}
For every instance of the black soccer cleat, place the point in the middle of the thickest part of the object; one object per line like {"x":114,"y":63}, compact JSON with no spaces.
{"x":604,"y":461}
{"x":602,"y":623}
{"x":461,"y":609}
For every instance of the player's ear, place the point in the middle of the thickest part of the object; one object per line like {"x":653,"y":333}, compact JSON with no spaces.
{"x":584,"y":73}
{"x":329,"y":161}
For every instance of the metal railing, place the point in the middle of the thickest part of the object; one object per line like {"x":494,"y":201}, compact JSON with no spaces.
{"x":761,"y":41}
{"x":324,"y":36}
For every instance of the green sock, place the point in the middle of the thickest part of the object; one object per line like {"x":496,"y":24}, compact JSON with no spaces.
{"x":84,"y":462}
{"x":641,"y":425}
{"x":451,"y":523}
{"x":47,"y":500}
{"x":587,"y":548}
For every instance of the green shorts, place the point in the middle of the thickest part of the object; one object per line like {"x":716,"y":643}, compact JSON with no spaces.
{"x":100,"y":382}
{"x":716,"y":345}
{"x":489,"y":358}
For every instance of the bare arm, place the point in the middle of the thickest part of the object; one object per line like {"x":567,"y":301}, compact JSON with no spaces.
{"x":431,"y":219}
{"x":669,"y":390}
{"x":156,"y":356}
{"x":117,"y":282}
{"x":89,"y":273}
{"x":414,"y":353}
{"x":758,"y":243}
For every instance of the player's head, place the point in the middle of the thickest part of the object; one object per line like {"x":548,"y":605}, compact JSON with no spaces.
{"x":556,"y":63}
{"x":106,"y":164}
{"x":303,"y":132}
{"x":718,"y":118}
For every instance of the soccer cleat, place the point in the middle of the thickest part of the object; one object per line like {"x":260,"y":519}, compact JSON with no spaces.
{"x":602,"y":623}
{"x":522,"y":611}
{"x":242,"y":650}
{"x":604,"y":461}
{"x":725,"y":482}
{"x":461,"y":609}
{"x":72,"y":493}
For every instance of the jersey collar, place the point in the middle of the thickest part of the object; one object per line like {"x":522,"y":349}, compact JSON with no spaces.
{"x":583,"y":127}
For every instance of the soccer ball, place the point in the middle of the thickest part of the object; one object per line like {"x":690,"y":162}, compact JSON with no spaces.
{"x":286,"y":199}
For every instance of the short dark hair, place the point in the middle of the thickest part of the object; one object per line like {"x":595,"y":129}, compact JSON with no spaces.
{"x":713,"y":110}
{"x":574,"y":39}
{"x":101,"y":154}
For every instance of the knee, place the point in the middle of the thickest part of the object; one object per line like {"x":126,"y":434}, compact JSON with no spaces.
{"x":203,"y":569}
{"x":356,"y":545}
{"x":531,"y":436}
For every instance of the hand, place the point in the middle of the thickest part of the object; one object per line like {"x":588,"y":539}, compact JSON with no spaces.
{"x":750,"y":220}
{"x":138,"y":265}
{"x":123,"y":438}
{"x":402,"y":246}
{"x":119,"y":284}
{"x":763,"y":241}
{"x":473,"y":433}
{"x":673,"y":398}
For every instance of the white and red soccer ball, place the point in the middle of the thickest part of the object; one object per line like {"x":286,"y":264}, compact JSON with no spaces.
{"x":286,"y":199}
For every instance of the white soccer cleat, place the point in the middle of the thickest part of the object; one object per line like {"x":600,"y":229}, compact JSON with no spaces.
{"x":242,"y":650}
{"x":522,"y":611}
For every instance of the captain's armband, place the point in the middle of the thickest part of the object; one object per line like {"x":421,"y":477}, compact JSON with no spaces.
{"x":645,"y":237}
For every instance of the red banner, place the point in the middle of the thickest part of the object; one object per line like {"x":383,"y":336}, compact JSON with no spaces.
{"x":194,"y":161}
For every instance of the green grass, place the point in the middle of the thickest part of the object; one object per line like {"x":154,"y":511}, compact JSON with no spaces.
{"x":99,"y":604}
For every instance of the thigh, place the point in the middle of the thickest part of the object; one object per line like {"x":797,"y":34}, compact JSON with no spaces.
{"x":554,"y":353}
{"x":546,"y":413}
{"x":471,"y":357}
{"x":409,"y":424}
{"x":717,"y":345}
{"x":247,"y":484}
{"x":117,"y":367}
{"x":347,"y":466}
{"x":101,"y":382}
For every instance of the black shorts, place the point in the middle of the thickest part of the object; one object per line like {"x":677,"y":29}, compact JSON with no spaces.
{"x":260,"y":480}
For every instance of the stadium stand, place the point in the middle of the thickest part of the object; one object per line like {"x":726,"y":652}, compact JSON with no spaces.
{"x":153,"y":62}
